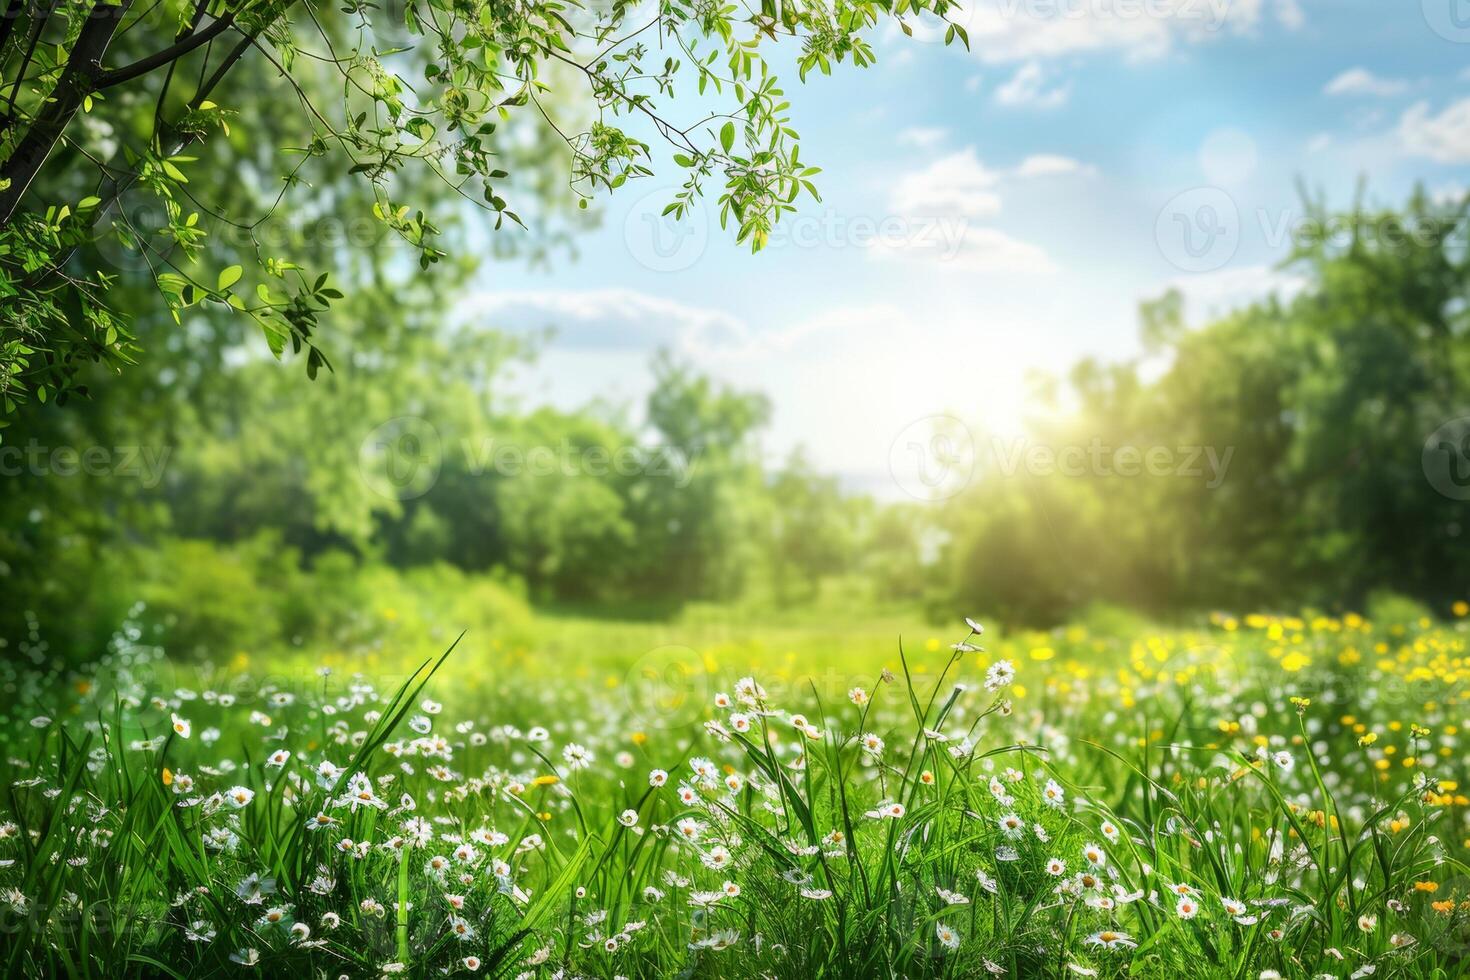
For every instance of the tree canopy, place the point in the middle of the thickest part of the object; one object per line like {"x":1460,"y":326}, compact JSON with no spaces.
{"x":107,"y":102}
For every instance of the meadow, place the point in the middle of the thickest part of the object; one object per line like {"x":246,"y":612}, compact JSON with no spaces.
{"x":1252,"y":796}
{"x":559,"y":490}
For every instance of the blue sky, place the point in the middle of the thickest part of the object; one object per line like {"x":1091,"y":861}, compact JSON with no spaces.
{"x":994,"y":212}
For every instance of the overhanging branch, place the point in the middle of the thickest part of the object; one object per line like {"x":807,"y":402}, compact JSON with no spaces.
{"x":80,"y":78}
{"x":171,"y":53}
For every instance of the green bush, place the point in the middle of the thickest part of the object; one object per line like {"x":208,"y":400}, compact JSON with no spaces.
{"x":207,"y":599}
{"x":1392,"y":609}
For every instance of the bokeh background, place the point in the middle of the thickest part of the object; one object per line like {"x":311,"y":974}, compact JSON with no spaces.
{"x":1129,"y":314}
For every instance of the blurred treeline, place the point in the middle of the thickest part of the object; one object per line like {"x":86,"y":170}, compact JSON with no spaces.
{"x":1325,"y":401}
{"x":233,"y":497}
{"x":262,"y":527}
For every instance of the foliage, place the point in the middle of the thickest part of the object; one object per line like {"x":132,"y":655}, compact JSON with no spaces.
{"x":1297,"y":511}
{"x":207,"y":600}
{"x":424,"y":94}
{"x":53,"y":324}
{"x":1294,"y":432}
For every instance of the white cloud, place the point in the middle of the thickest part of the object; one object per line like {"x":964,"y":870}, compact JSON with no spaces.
{"x":1444,"y":138}
{"x":606,"y":319}
{"x":1051,"y":165}
{"x":1361,"y":81}
{"x":956,"y":244}
{"x":845,"y":320}
{"x":1289,"y":14}
{"x":937,"y":210}
{"x":1449,"y":194}
{"x":1017,"y":30}
{"x":1209,"y":296}
{"x":992,"y":250}
{"x":1367,"y":119}
{"x":616,"y":324}
{"x":960,"y":183}
{"x":923,"y":137}
{"x":1027,"y":87}
{"x":955,"y":184}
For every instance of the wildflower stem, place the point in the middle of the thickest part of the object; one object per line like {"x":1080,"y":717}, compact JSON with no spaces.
{"x":403,"y":902}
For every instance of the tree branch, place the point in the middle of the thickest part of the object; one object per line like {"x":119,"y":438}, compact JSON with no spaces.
{"x":158,"y":59}
{"x":33,"y":38}
{"x":116,"y":186}
{"x":77,"y":80}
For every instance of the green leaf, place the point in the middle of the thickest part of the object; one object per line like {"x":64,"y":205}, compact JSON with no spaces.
{"x":545,"y":903}
{"x":275,"y":337}
{"x":228,"y":277}
{"x":727,"y":136}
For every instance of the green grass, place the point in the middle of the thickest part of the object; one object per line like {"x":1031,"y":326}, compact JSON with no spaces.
{"x":1204,"y":822}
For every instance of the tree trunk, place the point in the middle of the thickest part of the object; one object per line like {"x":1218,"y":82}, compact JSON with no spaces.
{"x":78,"y":80}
